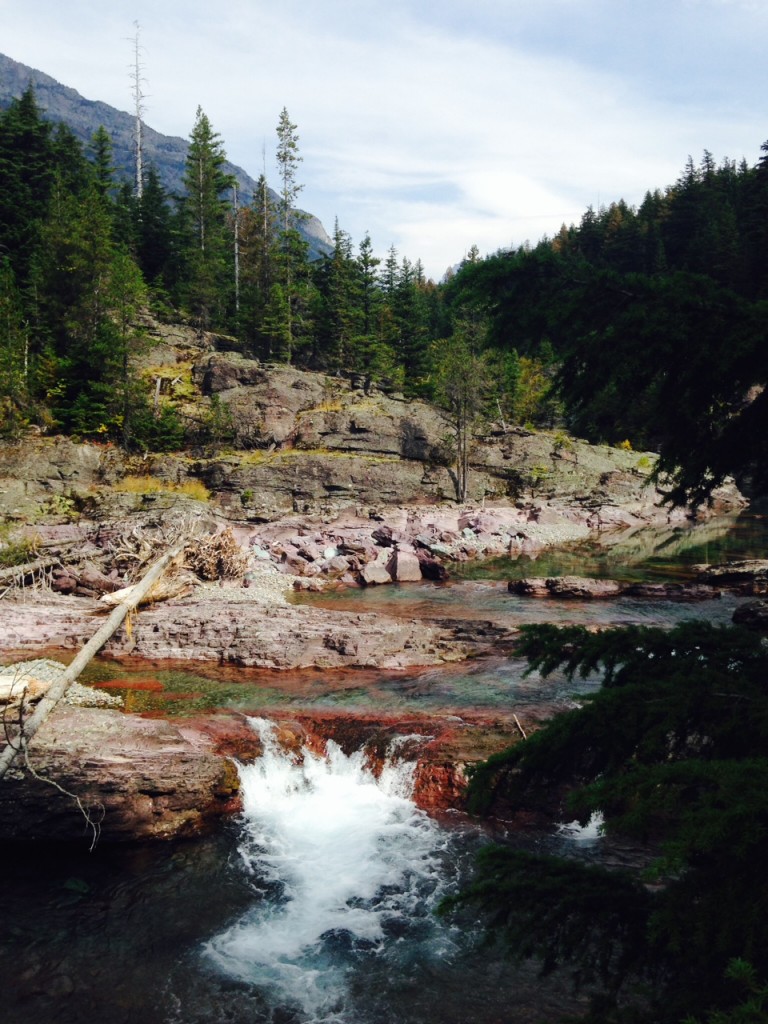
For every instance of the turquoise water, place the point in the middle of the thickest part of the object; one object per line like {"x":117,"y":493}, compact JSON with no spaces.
{"x":485,"y":684}
{"x":651,"y":553}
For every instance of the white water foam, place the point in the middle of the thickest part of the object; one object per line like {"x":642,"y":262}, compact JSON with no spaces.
{"x":348,"y":869}
{"x":589,"y":833}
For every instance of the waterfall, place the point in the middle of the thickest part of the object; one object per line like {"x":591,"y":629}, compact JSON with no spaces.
{"x":346,"y":872}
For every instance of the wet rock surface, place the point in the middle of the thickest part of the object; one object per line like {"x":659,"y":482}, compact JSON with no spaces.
{"x":237,"y":631}
{"x":135,"y":779}
{"x":754,"y":615}
{"x":580,"y":588}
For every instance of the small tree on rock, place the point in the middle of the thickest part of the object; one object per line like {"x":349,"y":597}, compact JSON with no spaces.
{"x":462,"y":383}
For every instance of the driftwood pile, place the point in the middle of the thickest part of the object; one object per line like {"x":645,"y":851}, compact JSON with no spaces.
{"x":217,"y":557}
{"x":113,"y":558}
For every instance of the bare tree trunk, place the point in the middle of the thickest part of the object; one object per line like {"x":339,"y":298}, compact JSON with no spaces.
{"x":236,"y":226}
{"x":91,"y":649}
{"x":138,"y":131}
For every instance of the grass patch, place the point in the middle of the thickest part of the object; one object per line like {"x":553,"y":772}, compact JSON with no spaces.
{"x":153,"y":485}
{"x":287,"y":454}
{"x":18,"y":552}
{"x":179,"y":376}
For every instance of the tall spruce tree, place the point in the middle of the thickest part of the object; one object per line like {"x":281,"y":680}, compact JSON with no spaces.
{"x":339,"y":315}
{"x":27,"y":174}
{"x":14,"y":355}
{"x":209,"y":253}
{"x":292,"y":247}
{"x":101,"y":156}
{"x":258,"y":259}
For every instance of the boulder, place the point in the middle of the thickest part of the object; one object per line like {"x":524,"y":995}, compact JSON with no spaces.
{"x":220,"y":372}
{"x":382,"y":535}
{"x":374,"y":573}
{"x":754,"y":615}
{"x":579,"y":588}
{"x":404,"y":566}
{"x":431,"y":568}
{"x":533,"y":586}
{"x":139,"y":779}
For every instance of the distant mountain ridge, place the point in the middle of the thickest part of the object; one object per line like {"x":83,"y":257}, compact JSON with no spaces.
{"x":167,"y":153}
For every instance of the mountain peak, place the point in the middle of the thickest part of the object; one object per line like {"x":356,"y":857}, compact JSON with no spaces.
{"x":166,"y":153}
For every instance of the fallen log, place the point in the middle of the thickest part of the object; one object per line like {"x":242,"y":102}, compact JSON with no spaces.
{"x":164,"y":590}
{"x":18,"y":572}
{"x":89,"y":651}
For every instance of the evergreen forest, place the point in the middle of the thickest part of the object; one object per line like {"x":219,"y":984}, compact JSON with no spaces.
{"x":638,"y":326}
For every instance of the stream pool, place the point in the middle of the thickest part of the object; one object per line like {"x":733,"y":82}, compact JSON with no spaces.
{"x":317,"y":905}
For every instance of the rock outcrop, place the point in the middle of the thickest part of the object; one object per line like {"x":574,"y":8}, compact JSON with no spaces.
{"x":234,"y":631}
{"x":135,"y":779}
{"x":747,"y":577}
{"x":580,"y":588}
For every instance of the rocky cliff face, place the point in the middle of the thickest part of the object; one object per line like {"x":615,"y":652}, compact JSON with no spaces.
{"x":297,"y":441}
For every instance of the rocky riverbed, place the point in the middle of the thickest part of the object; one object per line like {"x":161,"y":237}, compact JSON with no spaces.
{"x":145,"y":778}
{"x":328,"y":483}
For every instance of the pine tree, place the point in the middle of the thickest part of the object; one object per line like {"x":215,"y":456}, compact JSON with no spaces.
{"x":288,"y":160}
{"x":90,"y":292}
{"x":412,"y":343}
{"x":27,"y":174}
{"x":156,"y":250}
{"x":338,"y":318}
{"x":672,"y":750}
{"x":209,"y":251}
{"x":292,"y":247}
{"x":258,"y":258}
{"x":103,"y":167}
{"x":14,"y":355}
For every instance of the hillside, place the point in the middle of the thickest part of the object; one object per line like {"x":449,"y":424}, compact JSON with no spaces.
{"x":267,"y":440}
{"x":167,"y":153}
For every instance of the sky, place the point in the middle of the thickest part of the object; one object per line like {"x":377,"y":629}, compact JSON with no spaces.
{"x":431,"y":126}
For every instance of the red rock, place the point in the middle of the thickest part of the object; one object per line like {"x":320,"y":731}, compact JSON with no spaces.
{"x":140,"y":778}
{"x":404,"y":566}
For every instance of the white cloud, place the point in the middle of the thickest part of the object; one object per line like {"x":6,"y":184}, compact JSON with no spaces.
{"x":483,"y":122}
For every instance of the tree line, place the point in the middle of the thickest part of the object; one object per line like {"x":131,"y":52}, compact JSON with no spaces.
{"x":641,"y":326}
{"x":653,"y":321}
{"x":82,"y":254}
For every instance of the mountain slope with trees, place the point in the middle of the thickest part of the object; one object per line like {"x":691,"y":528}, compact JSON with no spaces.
{"x":167,"y":154}
{"x":641,"y":327}
{"x":653,"y":321}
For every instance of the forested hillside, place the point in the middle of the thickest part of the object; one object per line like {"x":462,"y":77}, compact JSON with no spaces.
{"x":641,"y":327}
{"x":654,"y":320}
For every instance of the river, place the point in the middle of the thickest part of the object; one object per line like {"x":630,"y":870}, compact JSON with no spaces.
{"x":317,"y":904}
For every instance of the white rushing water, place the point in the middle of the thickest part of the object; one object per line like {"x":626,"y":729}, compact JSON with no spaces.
{"x":346,"y":871}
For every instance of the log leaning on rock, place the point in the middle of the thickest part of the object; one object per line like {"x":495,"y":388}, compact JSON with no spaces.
{"x":89,"y":651}
{"x":164,"y":590}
